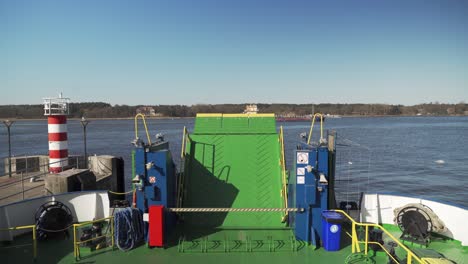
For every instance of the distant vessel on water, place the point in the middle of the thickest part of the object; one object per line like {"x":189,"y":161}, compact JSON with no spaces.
{"x":253,"y":109}
{"x":304,"y":118}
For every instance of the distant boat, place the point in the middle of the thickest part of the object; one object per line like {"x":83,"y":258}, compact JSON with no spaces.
{"x":300,"y":118}
{"x":251,"y":109}
{"x":332,"y":116}
{"x":280,"y":118}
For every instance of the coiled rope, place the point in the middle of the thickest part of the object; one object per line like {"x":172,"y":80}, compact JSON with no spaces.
{"x":129,"y":230}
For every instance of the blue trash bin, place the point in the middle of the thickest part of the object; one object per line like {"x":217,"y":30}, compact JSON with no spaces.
{"x":331,"y":230}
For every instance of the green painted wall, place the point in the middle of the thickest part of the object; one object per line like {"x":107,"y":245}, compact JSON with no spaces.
{"x":234,"y":162}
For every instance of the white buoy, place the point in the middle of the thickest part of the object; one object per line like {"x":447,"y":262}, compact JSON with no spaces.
{"x":440,"y":161}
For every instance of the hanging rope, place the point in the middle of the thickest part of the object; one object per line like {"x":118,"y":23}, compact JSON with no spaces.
{"x":120,"y":193}
{"x":129,"y":230}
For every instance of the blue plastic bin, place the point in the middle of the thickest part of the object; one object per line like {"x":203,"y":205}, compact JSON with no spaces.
{"x":331,"y":230}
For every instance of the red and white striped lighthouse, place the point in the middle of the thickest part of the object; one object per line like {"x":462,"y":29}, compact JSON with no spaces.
{"x":57,"y":110}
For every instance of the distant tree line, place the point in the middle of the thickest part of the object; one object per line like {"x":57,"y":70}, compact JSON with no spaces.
{"x":105,"y":110}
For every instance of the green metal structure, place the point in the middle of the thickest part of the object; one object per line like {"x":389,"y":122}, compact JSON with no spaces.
{"x":233,"y":161}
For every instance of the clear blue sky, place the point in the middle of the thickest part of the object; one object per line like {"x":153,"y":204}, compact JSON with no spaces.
{"x":189,"y":52}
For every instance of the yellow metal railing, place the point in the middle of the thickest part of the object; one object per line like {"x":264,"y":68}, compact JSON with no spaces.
{"x":76,"y":243}
{"x":185,"y":140}
{"x":355,"y":248}
{"x":144,"y":123}
{"x":34,"y":238}
{"x":284,"y":191}
{"x":312,"y":127}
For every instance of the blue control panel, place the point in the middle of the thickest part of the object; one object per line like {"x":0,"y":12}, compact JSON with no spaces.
{"x":310,"y":192}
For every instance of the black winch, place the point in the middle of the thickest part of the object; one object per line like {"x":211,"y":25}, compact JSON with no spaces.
{"x":417,"y":221}
{"x":53,"y":219}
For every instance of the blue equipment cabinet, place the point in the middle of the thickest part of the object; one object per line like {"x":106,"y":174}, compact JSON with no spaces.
{"x":157,"y":181}
{"x":309,"y":189}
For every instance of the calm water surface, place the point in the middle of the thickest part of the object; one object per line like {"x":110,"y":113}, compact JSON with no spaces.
{"x":390,"y":154}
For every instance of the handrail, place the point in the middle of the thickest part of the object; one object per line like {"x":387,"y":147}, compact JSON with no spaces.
{"x":185,"y":139}
{"x":37,"y":171}
{"x":14,"y":182}
{"x":76,"y":244}
{"x":34,"y":237}
{"x":355,"y":242}
{"x":182,"y":151}
{"x":284,"y":191}
{"x":22,"y":179}
{"x":144,"y":123}
{"x":21,"y":192}
{"x":380,"y":245}
{"x":312,"y":127}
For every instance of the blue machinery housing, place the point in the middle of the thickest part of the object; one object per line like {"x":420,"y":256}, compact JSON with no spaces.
{"x":311,"y":188}
{"x":156,"y":173}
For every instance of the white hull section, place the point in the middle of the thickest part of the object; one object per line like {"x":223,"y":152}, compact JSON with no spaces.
{"x":85,"y":206}
{"x":378,"y":208}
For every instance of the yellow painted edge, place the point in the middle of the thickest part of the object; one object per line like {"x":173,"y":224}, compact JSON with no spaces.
{"x":248,"y":115}
{"x":262,"y":115}
{"x":210,"y":115}
{"x":235,"y":115}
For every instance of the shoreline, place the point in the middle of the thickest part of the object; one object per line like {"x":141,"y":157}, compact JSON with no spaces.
{"x":97,"y":118}
{"x":191,"y":117}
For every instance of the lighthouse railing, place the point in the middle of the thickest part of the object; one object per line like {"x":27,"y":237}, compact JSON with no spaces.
{"x":56,"y":106}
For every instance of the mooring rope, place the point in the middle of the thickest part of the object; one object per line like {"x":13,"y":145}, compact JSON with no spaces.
{"x":216,"y":210}
{"x":129,"y":230}
{"x":120,"y":193}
